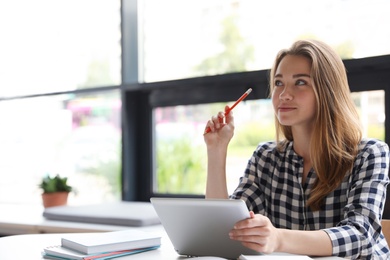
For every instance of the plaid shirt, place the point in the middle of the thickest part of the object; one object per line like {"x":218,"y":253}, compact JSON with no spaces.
{"x":352,"y":213}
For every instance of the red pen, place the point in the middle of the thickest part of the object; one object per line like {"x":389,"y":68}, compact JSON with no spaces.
{"x":231,"y":108}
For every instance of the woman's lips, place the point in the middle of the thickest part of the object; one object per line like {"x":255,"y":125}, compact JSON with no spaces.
{"x":286,"y":109}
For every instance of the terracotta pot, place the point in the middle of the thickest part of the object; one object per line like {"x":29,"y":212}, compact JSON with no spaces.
{"x":55,"y":199}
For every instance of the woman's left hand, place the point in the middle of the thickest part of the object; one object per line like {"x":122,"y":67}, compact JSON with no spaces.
{"x":256,"y":233}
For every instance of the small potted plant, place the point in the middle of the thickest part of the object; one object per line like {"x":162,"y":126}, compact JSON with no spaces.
{"x":55,"y":190}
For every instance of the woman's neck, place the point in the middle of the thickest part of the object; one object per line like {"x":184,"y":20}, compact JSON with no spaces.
{"x":302,"y":139}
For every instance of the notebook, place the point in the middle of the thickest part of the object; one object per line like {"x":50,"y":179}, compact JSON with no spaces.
{"x":200,"y":227}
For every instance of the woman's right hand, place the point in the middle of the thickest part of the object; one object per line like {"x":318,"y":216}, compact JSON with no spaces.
{"x":221,"y":128}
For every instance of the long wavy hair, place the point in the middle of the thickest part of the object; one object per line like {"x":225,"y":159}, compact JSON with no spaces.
{"x":337,"y":130}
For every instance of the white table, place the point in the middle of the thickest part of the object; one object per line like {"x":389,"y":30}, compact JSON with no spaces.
{"x":30,"y":233}
{"x":30,"y":247}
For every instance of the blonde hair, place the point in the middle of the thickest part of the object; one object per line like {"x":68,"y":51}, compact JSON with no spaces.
{"x":337,"y":131}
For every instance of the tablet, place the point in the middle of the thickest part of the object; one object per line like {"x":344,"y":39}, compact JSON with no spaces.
{"x":200,"y":227}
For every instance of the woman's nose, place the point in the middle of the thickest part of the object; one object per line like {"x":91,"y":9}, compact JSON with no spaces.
{"x":285,"y":94}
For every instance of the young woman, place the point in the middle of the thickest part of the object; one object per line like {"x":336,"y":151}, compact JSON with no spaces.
{"x":320,"y":188}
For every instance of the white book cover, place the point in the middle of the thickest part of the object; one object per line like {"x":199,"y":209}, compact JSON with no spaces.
{"x":90,"y":243}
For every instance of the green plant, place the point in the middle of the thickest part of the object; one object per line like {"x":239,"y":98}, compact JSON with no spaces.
{"x":55,"y":184}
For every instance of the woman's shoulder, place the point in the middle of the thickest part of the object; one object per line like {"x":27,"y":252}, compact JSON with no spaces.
{"x":370,"y":148}
{"x":273,"y":147}
{"x":372,"y":154}
{"x":369,"y":144}
{"x":267,"y":146}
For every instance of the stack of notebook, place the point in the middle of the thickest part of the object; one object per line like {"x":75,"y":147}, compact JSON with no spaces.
{"x":104,"y":245}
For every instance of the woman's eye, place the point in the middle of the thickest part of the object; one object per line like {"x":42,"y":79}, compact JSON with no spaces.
{"x":278,"y":83}
{"x":300,"y":82}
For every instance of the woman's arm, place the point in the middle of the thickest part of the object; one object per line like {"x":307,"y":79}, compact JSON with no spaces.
{"x":216,"y":187}
{"x":259,"y":234}
{"x":217,"y":141}
{"x":360,"y":230}
{"x":357,"y":236}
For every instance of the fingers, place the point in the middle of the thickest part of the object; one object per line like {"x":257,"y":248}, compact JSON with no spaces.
{"x":229,"y":118}
{"x":254,"y":238}
{"x":253,"y":221}
{"x":227,"y":110}
{"x":221,"y":118}
{"x":253,"y":231}
{"x":216,"y":122}
{"x":256,"y":233}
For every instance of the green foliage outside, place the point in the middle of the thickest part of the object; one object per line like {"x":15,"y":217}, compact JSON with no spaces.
{"x":181,"y":167}
{"x":250,"y":134}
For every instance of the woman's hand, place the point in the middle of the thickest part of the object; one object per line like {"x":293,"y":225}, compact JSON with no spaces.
{"x":221,"y":128}
{"x":256,"y":233}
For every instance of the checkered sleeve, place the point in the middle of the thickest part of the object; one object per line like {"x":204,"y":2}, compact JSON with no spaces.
{"x":358,"y":235}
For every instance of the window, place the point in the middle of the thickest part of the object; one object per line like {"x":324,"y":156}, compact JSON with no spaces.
{"x":60,"y":99}
{"x":181,"y":152}
{"x":371,"y":108}
{"x":78,"y":136}
{"x":58,"y":46}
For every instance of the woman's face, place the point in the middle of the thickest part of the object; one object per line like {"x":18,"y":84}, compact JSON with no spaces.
{"x":293,"y":95}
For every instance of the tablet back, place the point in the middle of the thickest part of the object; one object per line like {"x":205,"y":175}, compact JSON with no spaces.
{"x":200,"y":227}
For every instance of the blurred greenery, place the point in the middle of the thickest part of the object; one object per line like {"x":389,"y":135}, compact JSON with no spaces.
{"x":180,"y":167}
{"x":250,"y":134}
{"x":376,"y":131}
